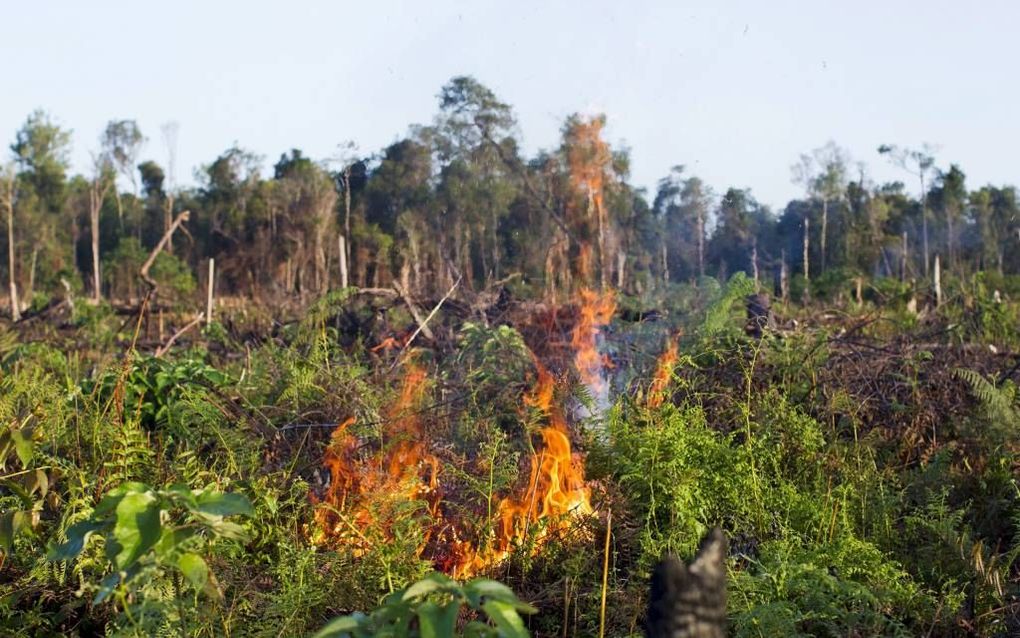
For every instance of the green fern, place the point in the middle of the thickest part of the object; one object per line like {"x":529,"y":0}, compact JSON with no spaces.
{"x":1000,"y":402}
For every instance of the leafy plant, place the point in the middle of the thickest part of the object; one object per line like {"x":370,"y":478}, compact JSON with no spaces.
{"x":430,"y":608}
{"x":148,"y":531}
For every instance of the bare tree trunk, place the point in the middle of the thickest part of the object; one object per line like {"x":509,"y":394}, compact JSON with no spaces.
{"x":904,"y":258}
{"x":210,"y":284}
{"x":97,"y":193}
{"x":168,"y":220}
{"x":784,"y":278}
{"x":825,"y":229}
{"x":924,"y":225}
{"x":807,"y":263}
{"x":665,"y":263}
{"x":31,"y":274}
{"x":342,"y":254}
{"x":754,"y":263}
{"x":347,"y":209}
{"x":701,"y":242}
{"x":12,"y":281}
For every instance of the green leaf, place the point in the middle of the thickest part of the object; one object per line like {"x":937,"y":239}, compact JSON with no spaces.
{"x":172,"y":538}
{"x":114,"y":496}
{"x":435,"y":621}
{"x":194,"y":569}
{"x":427,"y":585}
{"x":219,"y":504}
{"x":479,"y":587}
{"x":77,"y":535}
{"x":341,"y":627}
{"x":506,"y":619}
{"x":23,"y":445}
{"x":137,"y":528}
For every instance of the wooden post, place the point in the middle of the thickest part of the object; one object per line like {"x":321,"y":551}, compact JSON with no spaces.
{"x":343,"y":261}
{"x":859,"y":282}
{"x":209,"y":291}
{"x":938,"y":281}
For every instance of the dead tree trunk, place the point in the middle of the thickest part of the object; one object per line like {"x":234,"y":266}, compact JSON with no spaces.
{"x":690,"y":600}
{"x":8,"y":199}
{"x":807,"y":264}
{"x":97,"y":193}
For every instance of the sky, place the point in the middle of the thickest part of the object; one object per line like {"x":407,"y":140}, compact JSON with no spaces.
{"x":735,"y":91}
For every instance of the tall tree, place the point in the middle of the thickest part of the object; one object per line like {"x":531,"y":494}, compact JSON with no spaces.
{"x":103,"y":179}
{"x":920,"y":164}
{"x":823,"y":173}
{"x":8,"y":179}
{"x":121,"y":142}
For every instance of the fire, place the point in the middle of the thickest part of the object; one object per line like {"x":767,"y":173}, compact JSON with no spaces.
{"x":595,"y":312}
{"x":544,"y":506}
{"x":402,"y":466}
{"x":663,"y":373}
{"x":555,"y":492}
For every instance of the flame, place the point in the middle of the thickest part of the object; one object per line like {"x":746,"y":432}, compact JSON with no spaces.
{"x":595,"y":312}
{"x":544,"y":506}
{"x":555,"y":492}
{"x":663,"y":373}
{"x":403,"y":466}
{"x":389,"y":343}
{"x":589,"y":161}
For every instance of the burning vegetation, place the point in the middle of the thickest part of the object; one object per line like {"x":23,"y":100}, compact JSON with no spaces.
{"x":551,"y":494}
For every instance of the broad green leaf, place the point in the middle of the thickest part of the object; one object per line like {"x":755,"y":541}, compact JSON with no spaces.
{"x":171,"y":538}
{"x":427,"y":585}
{"x":341,"y":627}
{"x":77,"y":535}
{"x":219,"y":504}
{"x":114,"y":496}
{"x":484,"y":587}
{"x":437,"y":622}
{"x":506,"y":619}
{"x":194,"y":569}
{"x":137,"y":528}
{"x":23,"y":445}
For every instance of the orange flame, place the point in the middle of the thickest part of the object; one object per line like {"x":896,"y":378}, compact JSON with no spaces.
{"x":555,"y":492}
{"x":595,"y":312}
{"x":397,"y":468}
{"x":663,"y":373}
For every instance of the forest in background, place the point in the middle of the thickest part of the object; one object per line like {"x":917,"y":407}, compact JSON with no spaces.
{"x":457,"y":200}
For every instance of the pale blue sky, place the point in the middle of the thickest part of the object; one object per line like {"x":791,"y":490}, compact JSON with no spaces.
{"x":734,"y":90}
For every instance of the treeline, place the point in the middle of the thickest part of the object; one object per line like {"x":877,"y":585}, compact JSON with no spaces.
{"x":458,"y":200}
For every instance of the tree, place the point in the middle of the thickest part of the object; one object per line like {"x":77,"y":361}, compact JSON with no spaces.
{"x":823,"y":175}
{"x":682,"y":206}
{"x":103,"y":179}
{"x":7,"y":196}
{"x":918,"y":163}
{"x":41,"y":152}
{"x":121,"y":143}
{"x":950,"y":196}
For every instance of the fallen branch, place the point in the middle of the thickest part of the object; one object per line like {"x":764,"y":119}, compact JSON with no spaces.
{"x":144,"y":272}
{"x":170,"y":342}
{"x":423,"y":325}
{"x":414,"y":310}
